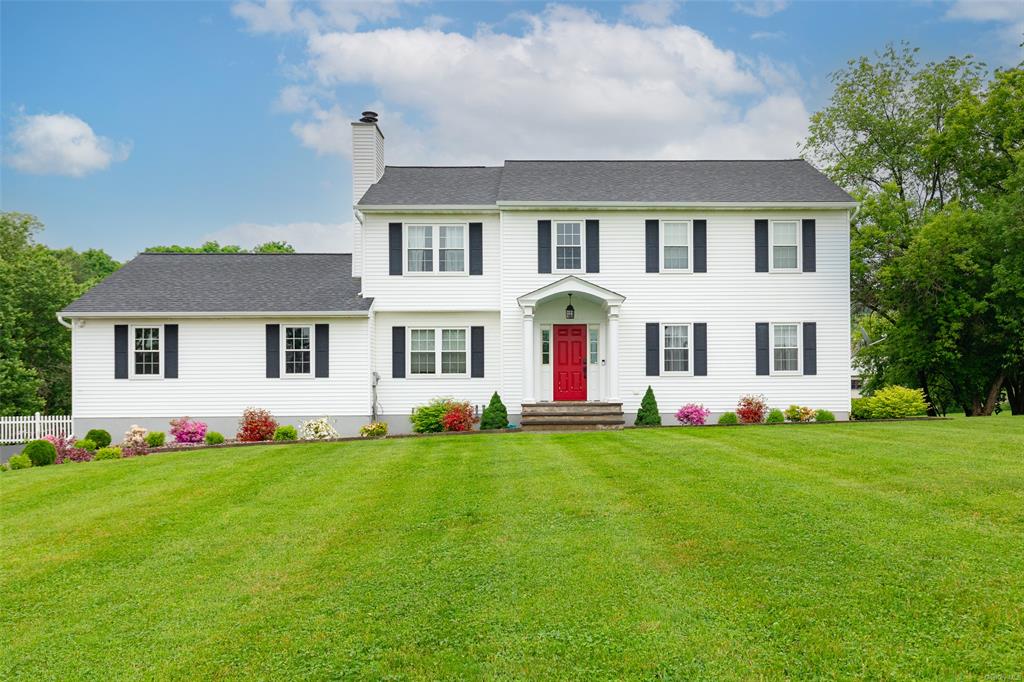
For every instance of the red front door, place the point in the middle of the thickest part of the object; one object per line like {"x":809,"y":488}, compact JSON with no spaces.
{"x":570,"y":362}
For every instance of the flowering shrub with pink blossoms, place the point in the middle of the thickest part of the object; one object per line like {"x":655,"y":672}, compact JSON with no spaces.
{"x":692,"y":414}
{"x":66,"y":450}
{"x":185,"y":430}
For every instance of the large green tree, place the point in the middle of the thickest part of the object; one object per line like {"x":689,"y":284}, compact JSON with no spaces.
{"x":216,"y":247}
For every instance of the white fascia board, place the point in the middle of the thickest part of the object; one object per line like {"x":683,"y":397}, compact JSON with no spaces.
{"x":189,"y":314}
{"x":436,"y":309}
{"x":634,"y":205}
{"x":427,"y":208}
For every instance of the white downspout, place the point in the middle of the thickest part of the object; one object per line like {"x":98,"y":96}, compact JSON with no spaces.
{"x":65,"y":323}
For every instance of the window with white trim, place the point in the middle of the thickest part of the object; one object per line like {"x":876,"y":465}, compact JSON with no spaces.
{"x":785,"y":348}
{"x":595,"y":344}
{"x":146,"y":351}
{"x":569,"y":245}
{"x":676,"y":348}
{"x":445,"y":246}
{"x":545,"y":346}
{"x":431,"y":350}
{"x":298,"y":350}
{"x":675,"y":250}
{"x":785,"y":247}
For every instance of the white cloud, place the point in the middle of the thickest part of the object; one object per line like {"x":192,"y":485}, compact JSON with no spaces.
{"x":761,"y":8}
{"x":60,"y":144}
{"x":652,"y":12}
{"x":436,"y":22}
{"x":1008,"y":15}
{"x":283,"y":16}
{"x":305,"y":237}
{"x":767,"y":35}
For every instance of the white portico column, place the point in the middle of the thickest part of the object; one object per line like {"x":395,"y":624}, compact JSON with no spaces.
{"x":528,"y":369}
{"x":613,"y":354}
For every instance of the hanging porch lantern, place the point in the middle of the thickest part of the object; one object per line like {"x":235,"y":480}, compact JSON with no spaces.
{"x":570,"y":312}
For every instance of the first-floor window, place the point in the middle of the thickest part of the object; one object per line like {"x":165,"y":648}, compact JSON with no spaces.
{"x":594,"y":344}
{"x":677,"y":347}
{"x":785,"y":347}
{"x":433,"y":349}
{"x":297,"y":351}
{"x":545,"y":346}
{"x":147,"y":351}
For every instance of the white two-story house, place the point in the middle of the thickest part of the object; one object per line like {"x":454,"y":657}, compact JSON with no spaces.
{"x":546,"y":281}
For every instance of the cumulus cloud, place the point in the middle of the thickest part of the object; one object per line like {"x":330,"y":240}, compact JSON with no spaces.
{"x":653,"y":12}
{"x":305,"y":237}
{"x":284,"y":16}
{"x":761,"y":8}
{"x":1009,"y":16}
{"x":60,"y":144}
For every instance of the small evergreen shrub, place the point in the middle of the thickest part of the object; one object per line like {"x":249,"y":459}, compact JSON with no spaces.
{"x":860,"y":408}
{"x":692,"y":414}
{"x":213,"y":438}
{"x":429,"y":418}
{"x":135,"y":437}
{"x":108,"y":453}
{"x":751,"y":409}
{"x":775,"y":416}
{"x":41,"y":452}
{"x":317,"y":429}
{"x":459,"y":417}
{"x":85,"y":444}
{"x":99,"y":436}
{"x":255,"y":425}
{"x":495,"y":415}
{"x":374,"y":430}
{"x":185,"y":430}
{"x":286,"y":432}
{"x":648,"y":414}
{"x":156,"y":439}
{"x":897,"y":402}
{"x":21,"y":461}
{"x":728,"y":419}
{"x":824,"y":416}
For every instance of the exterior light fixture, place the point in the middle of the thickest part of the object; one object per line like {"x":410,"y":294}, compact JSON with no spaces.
{"x":570,"y":312}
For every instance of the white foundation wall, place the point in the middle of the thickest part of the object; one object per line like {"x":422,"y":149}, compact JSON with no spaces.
{"x":221,"y":371}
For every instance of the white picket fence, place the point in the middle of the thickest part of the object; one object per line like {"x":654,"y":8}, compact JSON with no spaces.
{"x":24,"y":429}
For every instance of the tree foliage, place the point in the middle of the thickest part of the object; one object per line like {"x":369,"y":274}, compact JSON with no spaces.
{"x":216,"y":247}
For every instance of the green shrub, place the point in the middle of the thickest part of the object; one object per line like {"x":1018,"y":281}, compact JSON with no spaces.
{"x":775,"y":416}
{"x":213,"y":438}
{"x":648,"y":414}
{"x":860,"y":408}
{"x":374,"y":430}
{"x":19,"y":462}
{"x":796,"y":413}
{"x":824,"y":416}
{"x":728,"y":419}
{"x":156,"y":439}
{"x":86,"y":444}
{"x":897,"y":402}
{"x":429,"y":418}
{"x":108,"y":453}
{"x":41,"y":452}
{"x":98,"y":436}
{"x":495,"y":415}
{"x":286,"y":432}
{"x":3,"y":467}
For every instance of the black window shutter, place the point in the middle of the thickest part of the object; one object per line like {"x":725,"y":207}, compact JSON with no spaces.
{"x":593,"y":246}
{"x":273,"y":351}
{"x":322,"y":341}
{"x":120,"y":351}
{"x":398,"y":352}
{"x":761,"y":333}
{"x":476,"y":345}
{"x":810,"y":258}
{"x":700,"y":246}
{"x":543,"y":246}
{"x":760,"y":246}
{"x":476,"y":248}
{"x":395,"y":248}
{"x":810,"y":347}
{"x":653,"y":349}
{"x":170,"y":351}
{"x":652,"y":246}
{"x":700,"y":349}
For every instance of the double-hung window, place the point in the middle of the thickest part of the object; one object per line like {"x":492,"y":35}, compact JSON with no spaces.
{"x":438,"y":351}
{"x":675,"y":246}
{"x":785,"y":348}
{"x":298,"y":351}
{"x":435,"y":248}
{"x":676,"y":348}
{"x":146,"y":351}
{"x":569,"y":245}
{"x":785,"y":248}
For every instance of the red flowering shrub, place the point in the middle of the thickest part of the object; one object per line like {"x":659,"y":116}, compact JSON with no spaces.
{"x":459,"y":417}
{"x":133,"y":451}
{"x":256,"y":424}
{"x":751,"y":409}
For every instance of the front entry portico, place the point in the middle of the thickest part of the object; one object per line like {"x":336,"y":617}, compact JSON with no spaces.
{"x":570,"y":359}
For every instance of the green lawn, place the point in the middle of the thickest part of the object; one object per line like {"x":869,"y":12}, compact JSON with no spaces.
{"x":885,"y":550}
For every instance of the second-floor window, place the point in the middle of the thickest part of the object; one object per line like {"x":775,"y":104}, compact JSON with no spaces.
{"x":435,"y":248}
{"x":676,"y":246}
{"x":785,"y":250}
{"x":568,"y":246}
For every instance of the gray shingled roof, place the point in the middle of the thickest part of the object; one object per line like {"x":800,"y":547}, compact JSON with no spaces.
{"x":594,"y":181}
{"x":416,"y":185}
{"x":227,"y":283}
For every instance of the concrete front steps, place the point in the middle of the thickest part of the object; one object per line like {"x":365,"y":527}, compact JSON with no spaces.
{"x":572,"y":416}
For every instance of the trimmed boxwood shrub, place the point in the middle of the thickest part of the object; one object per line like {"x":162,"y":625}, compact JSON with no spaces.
{"x":286,"y":432}
{"x":156,"y":439}
{"x":214,"y":438}
{"x":824,"y":416}
{"x":86,"y":444}
{"x":495,"y":415}
{"x":41,"y":452}
{"x":897,"y":402}
{"x":19,"y":462}
{"x":648,"y":414}
{"x":107,"y":453}
{"x":98,"y":436}
{"x":728,"y":419}
{"x":775,"y":416}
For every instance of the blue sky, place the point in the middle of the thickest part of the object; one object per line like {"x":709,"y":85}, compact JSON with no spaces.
{"x":132,"y":124}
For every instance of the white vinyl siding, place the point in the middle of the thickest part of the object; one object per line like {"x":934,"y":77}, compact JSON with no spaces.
{"x":785,"y":245}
